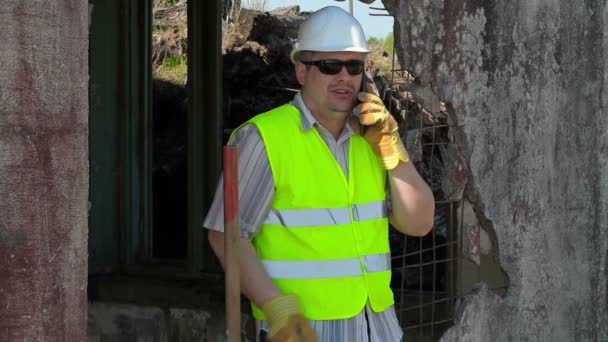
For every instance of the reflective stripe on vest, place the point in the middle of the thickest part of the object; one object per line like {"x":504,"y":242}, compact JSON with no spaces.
{"x":327,"y":268}
{"x":292,"y":218}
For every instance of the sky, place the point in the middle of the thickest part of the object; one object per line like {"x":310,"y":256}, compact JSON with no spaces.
{"x":374,"y":26}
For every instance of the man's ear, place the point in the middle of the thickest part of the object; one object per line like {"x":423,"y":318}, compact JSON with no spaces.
{"x":300,"y":72}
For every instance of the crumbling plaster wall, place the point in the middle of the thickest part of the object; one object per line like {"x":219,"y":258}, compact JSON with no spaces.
{"x":526,"y":87}
{"x":43,"y":170}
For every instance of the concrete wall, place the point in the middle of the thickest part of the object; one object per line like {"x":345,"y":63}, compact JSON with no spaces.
{"x":111,"y":322}
{"x":43,"y":170}
{"x":526,"y":87}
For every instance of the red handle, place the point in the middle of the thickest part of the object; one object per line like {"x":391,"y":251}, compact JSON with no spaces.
{"x":232,"y":244}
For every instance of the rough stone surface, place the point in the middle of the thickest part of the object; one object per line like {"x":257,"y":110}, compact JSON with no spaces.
{"x":526,"y":88}
{"x":136,"y":323}
{"x":124,"y":322}
{"x":43,"y":170}
{"x":480,"y":302}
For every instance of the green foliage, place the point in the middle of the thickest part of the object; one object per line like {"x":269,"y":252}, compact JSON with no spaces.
{"x":173,"y":68}
{"x":381,"y":54}
{"x":374,"y":41}
{"x":389,"y":43}
{"x":173,"y":61}
{"x":232,"y":27}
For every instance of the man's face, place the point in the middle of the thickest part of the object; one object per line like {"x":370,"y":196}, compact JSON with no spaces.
{"x":329,"y":95}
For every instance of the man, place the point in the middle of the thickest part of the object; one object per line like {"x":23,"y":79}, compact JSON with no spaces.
{"x":313,"y":198}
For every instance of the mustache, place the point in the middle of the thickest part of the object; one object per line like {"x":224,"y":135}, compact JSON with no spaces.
{"x":342,"y":86}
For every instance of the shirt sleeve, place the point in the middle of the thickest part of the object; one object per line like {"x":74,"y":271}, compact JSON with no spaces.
{"x":256,"y":185}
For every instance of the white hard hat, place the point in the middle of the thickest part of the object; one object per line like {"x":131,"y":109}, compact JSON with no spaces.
{"x":330,"y":29}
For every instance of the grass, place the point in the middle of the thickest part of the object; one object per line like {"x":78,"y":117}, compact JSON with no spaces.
{"x":173,"y":68}
{"x":234,"y":24}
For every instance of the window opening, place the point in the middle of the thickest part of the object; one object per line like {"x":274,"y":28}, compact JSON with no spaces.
{"x":169,"y":233}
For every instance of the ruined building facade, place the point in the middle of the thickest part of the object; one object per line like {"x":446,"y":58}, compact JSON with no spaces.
{"x":525,"y":92}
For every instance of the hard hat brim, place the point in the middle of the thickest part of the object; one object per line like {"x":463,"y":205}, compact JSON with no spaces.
{"x":295,"y":51}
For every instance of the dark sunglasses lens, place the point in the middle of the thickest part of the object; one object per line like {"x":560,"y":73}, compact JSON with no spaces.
{"x":354,"y":67}
{"x":333,"y":67}
{"x":330,"y":67}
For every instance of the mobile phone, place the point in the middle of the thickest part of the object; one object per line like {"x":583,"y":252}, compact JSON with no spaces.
{"x":263,"y":337}
{"x":368,"y":85}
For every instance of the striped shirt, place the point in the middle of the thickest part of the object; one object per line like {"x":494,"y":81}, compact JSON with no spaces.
{"x":256,"y":191}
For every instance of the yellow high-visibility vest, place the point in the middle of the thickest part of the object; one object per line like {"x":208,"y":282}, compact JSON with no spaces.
{"x":326,"y":236}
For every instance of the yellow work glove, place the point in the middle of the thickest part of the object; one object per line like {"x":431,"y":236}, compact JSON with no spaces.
{"x":287,"y":323}
{"x":381,"y":131}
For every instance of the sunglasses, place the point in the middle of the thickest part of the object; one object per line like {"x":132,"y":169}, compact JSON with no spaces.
{"x":333,"y":66}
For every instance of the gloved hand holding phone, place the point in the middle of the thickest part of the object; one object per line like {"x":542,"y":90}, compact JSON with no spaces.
{"x":381,"y":130}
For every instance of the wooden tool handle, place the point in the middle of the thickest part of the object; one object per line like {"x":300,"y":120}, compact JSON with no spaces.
{"x":232,"y":244}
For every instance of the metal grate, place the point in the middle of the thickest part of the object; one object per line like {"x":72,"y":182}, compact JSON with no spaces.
{"x":425,"y":270}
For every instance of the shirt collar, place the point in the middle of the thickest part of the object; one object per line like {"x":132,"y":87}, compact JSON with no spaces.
{"x":309,"y":120}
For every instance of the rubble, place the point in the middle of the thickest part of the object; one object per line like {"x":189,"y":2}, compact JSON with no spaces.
{"x":258,"y":74}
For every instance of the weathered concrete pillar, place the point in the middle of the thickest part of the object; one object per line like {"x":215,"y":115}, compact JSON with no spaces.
{"x":527,"y":91}
{"x":43,"y":170}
